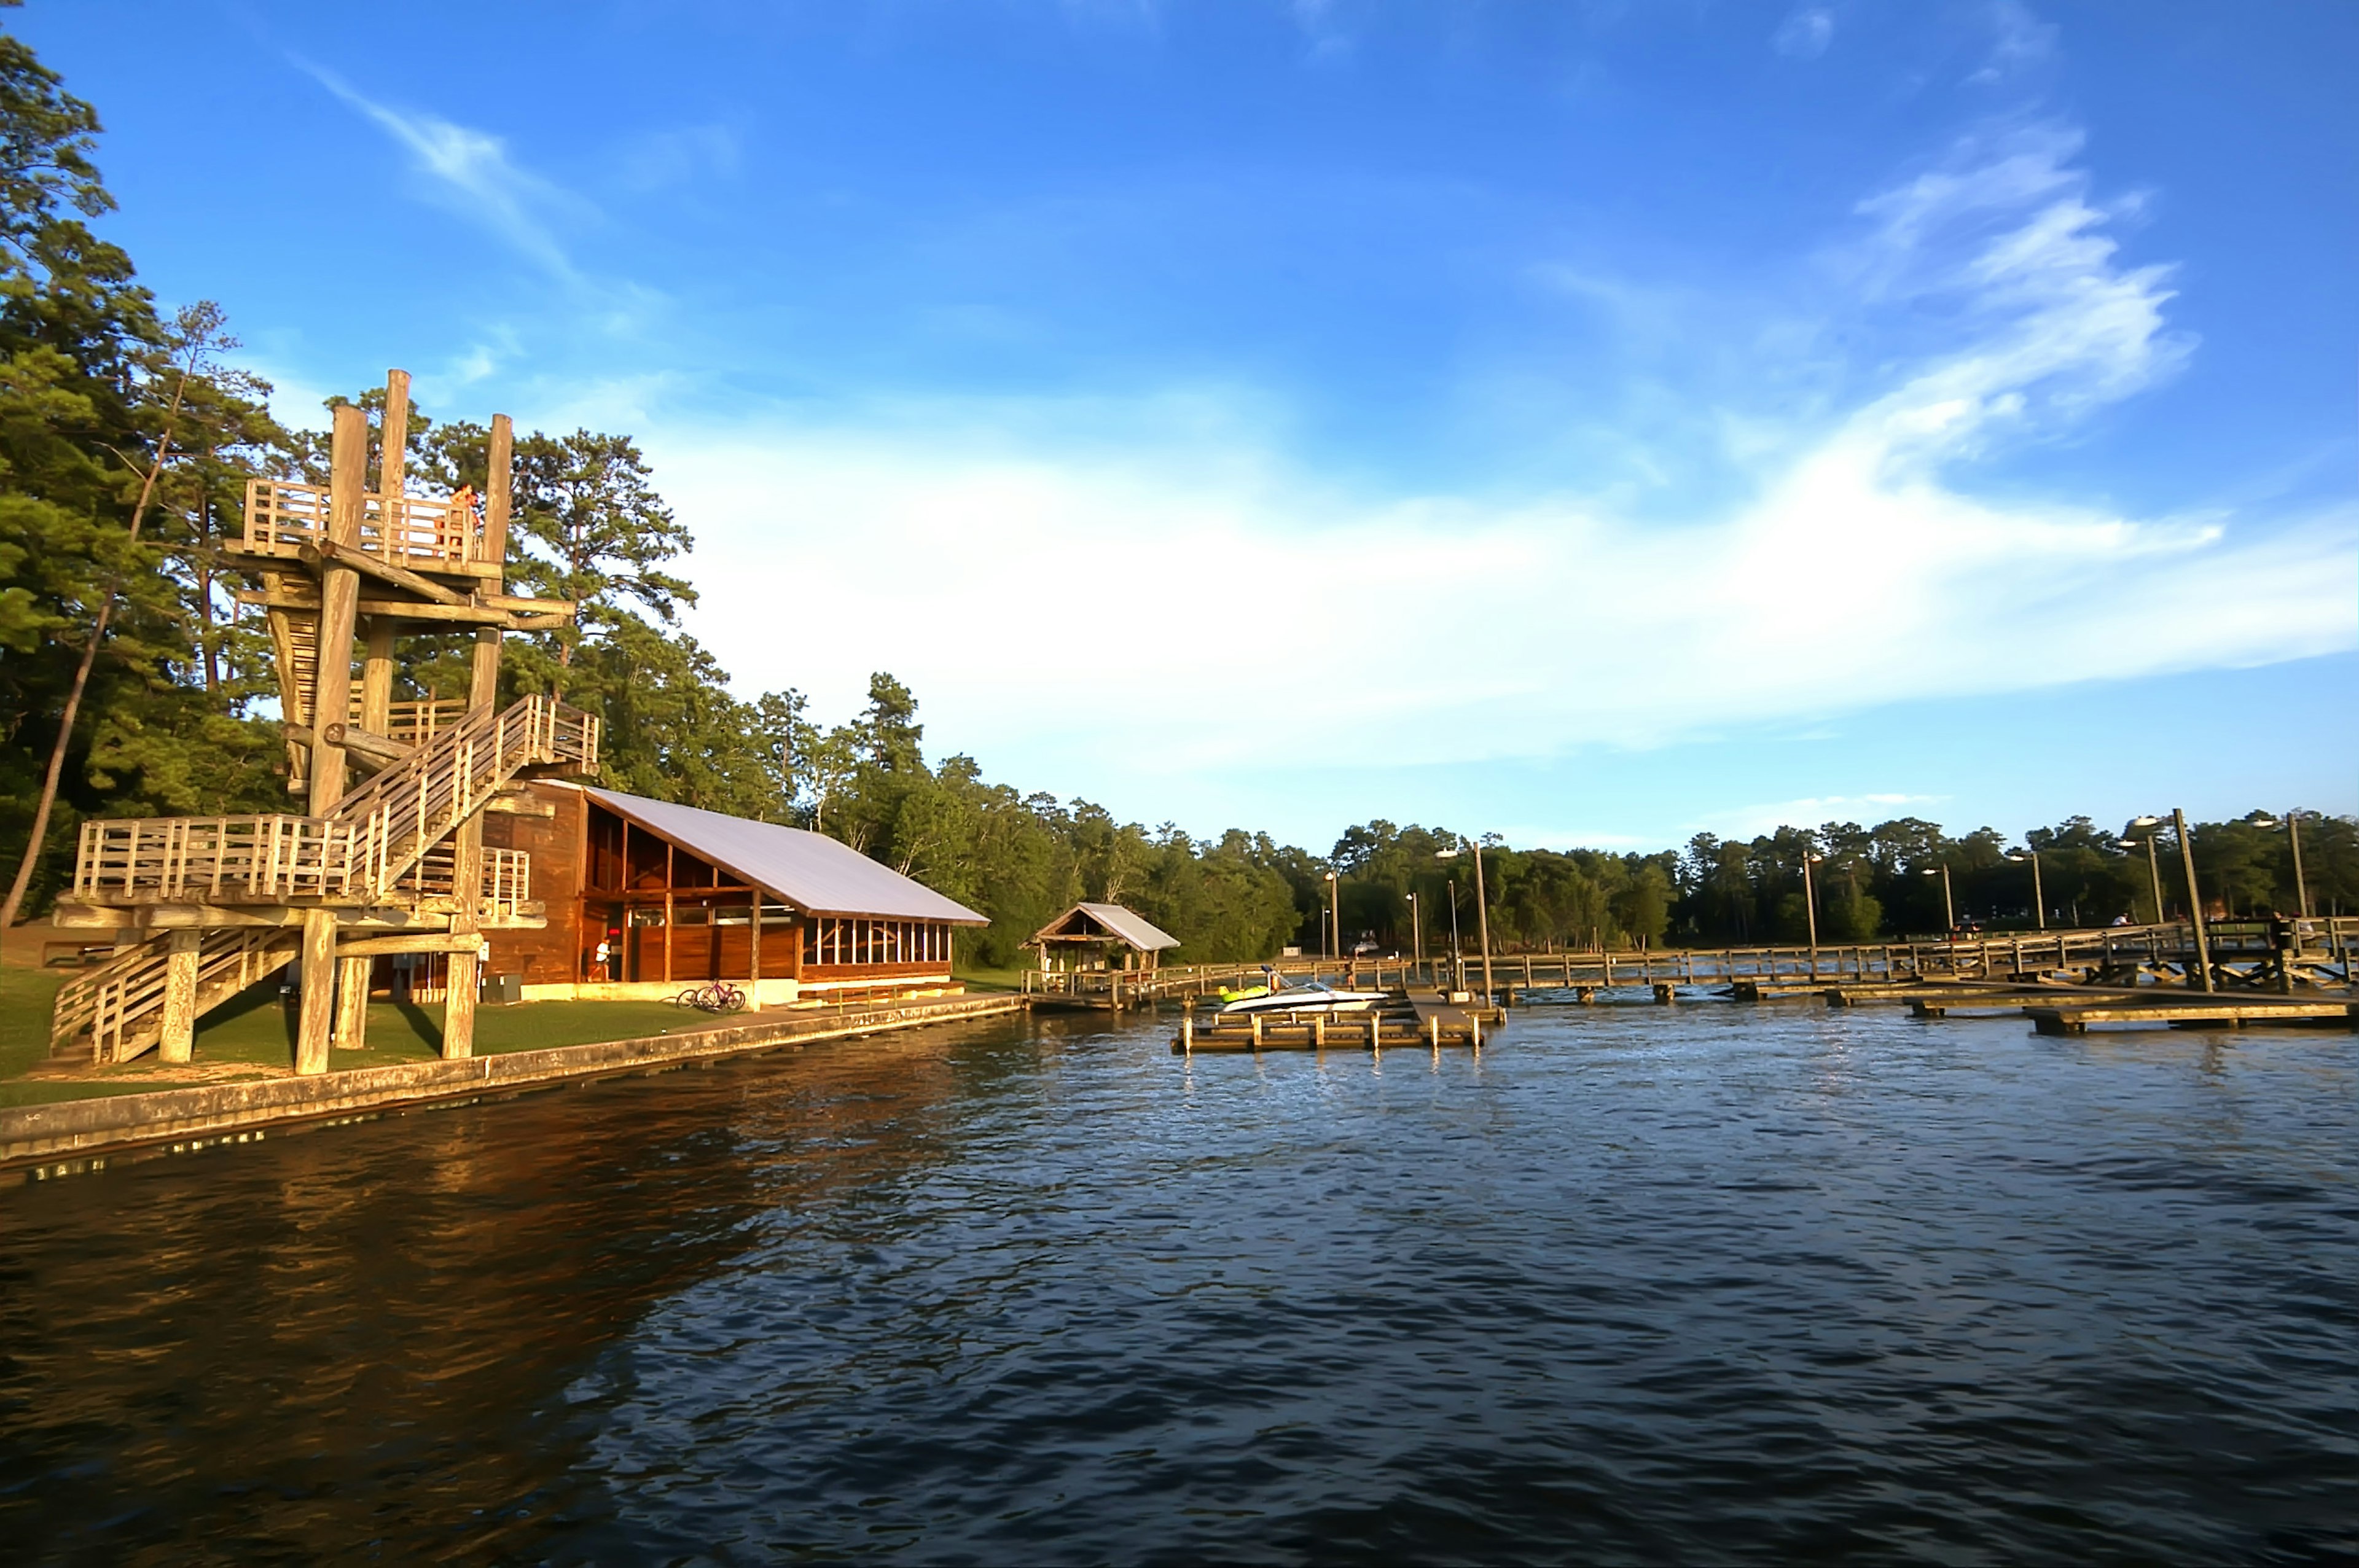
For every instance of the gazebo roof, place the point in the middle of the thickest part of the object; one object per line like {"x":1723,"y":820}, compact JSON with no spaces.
{"x":1112,"y":923}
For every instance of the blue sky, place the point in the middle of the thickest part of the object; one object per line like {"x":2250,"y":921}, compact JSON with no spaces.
{"x":1595,"y":422}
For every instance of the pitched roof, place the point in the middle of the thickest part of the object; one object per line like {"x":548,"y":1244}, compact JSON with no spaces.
{"x":810,"y":871}
{"x":1125,"y":923}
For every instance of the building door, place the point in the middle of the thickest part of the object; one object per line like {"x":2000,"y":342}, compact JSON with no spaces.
{"x":601,"y":942}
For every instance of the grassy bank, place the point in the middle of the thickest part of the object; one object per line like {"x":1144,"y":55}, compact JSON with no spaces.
{"x":254,"y":1036}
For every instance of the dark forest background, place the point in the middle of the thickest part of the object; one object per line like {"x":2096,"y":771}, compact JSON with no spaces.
{"x":106,"y":399}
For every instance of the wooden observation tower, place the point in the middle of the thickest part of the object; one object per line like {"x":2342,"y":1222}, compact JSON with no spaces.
{"x":387,"y":856}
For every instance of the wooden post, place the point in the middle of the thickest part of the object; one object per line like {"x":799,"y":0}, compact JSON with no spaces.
{"x":377,"y":676}
{"x":1433,"y":1030}
{"x":458,"y":1006}
{"x":180,"y":1037}
{"x":340,"y":589}
{"x":352,"y":1003}
{"x":393,"y":449}
{"x":317,"y":1018}
{"x":1319,"y":1030}
{"x":1254,"y":1022}
{"x":483,"y":695}
{"x":753,"y":986}
{"x":1187,"y":1030}
{"x":2194,"y":902}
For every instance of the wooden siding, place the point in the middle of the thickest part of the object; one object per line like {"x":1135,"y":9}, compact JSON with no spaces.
{"x":667,"y":915}
{"x":552,"y":954}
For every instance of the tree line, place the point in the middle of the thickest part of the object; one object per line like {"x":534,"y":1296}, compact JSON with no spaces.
{"x":131,"y":685}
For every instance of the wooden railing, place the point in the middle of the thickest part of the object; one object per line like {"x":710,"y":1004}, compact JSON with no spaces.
{"x":422,"y":532}
{"x":210,"y":859}
{"x":364,"y":848}
{"x":507,"y":886}
{"x":416,"y":722}
{"x":2328,"y":941}
{"x":404,"y":810}
{"x":121,"y":1002}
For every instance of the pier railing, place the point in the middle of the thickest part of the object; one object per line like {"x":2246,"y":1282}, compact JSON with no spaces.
{"x":2083,"y":954}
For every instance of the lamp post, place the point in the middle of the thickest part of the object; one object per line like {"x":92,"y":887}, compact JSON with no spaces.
{"x":1481,"y":907}
{"x":2153,"y":865}
{"x":1810,"y":906}
{"x":2300,"y":888}
{"x":1334,"y":916}
{"x":1457,"y":962}
{"x":1416,"y":936}
{"x":2293,"y":833}
{"x":2039,"y":894}
{"x":1948,"y":905}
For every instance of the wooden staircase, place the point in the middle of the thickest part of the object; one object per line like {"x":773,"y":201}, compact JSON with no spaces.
{"x":390,"y":866}
{"x":412,"y":806}
{"x":120,"y":1004}
{"x":362,"y":852}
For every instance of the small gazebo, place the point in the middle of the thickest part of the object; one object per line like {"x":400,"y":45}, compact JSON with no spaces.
{"x":1100,"y":937}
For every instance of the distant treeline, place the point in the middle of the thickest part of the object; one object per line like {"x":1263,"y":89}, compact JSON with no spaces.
{"x":126,"y":439}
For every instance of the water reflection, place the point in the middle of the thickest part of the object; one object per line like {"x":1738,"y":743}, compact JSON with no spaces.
{"x":1715,"y":1282}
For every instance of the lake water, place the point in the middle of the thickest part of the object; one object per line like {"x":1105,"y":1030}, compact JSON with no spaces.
{"x":1715,"y":1283}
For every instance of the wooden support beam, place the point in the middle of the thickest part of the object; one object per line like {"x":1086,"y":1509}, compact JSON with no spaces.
{"x":565,"y":607}
{"x":393,"y":447}
{"x":322,"y":554}
{"x":462,"y":612}
{"x":752,"y":986}
{"x":499,"y":478}
{"x":422,"y":942}
{"x":259,"y":561}
{"x":499,"y":481}
{"x":331,"y":690}
{"x":351,"y":1031}
{"x":381,"y":748}
{"x":377,"y":678}
{"x":459,"y":1007}
{"x":178,"y":1041}
{"x":316,"y":1020}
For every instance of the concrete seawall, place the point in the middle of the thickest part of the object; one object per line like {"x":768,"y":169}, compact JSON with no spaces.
{"x":78,"y":1130}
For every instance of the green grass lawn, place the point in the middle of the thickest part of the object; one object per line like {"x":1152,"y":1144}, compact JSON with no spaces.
{"x":257,"y":1029}
{"x":987,"y":979}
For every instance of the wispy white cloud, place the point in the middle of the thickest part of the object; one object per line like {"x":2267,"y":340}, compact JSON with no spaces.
{"x":1805,"y":33}
{"x":471,"y":173}
{"x":1861,"y":567}
{"x":2019,"y":41}
{"x":661,"y":159}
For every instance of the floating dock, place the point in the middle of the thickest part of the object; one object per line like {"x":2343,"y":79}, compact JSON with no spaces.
{"x":1410,"y":1021}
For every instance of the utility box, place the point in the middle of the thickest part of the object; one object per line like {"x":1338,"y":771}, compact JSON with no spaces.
{"x":504,"y":990}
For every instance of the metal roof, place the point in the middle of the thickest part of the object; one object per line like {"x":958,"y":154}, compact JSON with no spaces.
{"x":810,"y":871}
{"x":1125,"y":923}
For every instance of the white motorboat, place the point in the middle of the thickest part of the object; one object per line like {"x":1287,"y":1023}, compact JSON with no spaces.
{"x":1310,"y":996}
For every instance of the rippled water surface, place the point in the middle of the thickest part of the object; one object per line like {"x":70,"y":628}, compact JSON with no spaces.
{"x":1714,"y":1283}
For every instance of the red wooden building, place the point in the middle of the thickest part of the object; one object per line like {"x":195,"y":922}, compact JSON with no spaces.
{"x":644,"y":898}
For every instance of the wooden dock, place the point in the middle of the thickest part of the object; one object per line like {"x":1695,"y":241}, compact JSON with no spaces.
{"x":2209,"y":1014}
{"x":1409,"y":1021}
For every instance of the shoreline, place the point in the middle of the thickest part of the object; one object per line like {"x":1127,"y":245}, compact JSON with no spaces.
{"x":78,"y":1134}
